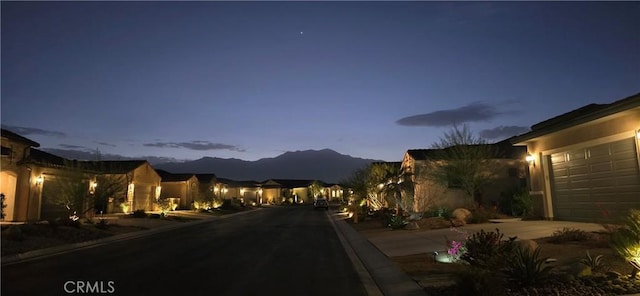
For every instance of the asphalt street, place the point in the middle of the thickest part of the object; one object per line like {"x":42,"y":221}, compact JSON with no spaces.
{"x":276,"y":251}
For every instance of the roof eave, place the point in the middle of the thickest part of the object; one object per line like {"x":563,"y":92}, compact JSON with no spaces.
{"x":627,"y":104}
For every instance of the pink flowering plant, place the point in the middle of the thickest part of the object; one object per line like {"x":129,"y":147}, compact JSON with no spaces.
{"x":456,"y":248}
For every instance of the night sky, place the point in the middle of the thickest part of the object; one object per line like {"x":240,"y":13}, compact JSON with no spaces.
{"x":250,"y":80}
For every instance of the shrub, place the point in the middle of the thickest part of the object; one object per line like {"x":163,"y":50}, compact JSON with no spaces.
{"x":2,"y":198}
{"x":441,"y":212}
{"x":397,"y":222}
{"x":102,"y":224}
{"x":54,"y":224}
{"x":478,"y":281}
{"x":139,"y":214}
{"x":164,"y":204}
{"x":569,"y":235}
{"x":626,"y":241}
{"x":527,"y":268}
{"x":14,"y":233}
{"x":595,"y":263}
{"x":522,"y":204}
{"x":481,"y":215}
{"x":488,"y":249}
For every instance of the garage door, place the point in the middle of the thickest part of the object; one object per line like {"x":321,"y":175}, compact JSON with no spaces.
{"x":597,"y":183}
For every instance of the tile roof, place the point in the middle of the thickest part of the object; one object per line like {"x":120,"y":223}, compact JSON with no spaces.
{"x":234,"y":183}
{"x":171,"y":177}
{"x":503,"y":149}
{"x":47,"y":159}
{"x":578,"y":116}
{"x":206,"y":178}
{"x":293,"y":183}
{"x":113,"y":166}
{"x":13,"y":136}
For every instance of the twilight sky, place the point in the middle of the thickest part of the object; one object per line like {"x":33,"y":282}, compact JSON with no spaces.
{"x":250,"y":80}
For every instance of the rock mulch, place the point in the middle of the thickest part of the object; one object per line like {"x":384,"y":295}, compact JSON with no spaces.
{"x":610,"y":283}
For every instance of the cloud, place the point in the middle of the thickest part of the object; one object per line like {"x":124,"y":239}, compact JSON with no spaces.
{"x":503,"y":132}
{"x":26,"y":131}
{"x":74,"y":147}
{"x":473,"y":112}
{"x":195,"y":145}
{"x":92,"y":155}
{"x":105,"y":144}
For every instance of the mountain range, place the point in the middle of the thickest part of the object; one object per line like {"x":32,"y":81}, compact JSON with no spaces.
{"x":325,"y":165}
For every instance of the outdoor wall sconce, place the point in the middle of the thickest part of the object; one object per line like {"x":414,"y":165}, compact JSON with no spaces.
{"x":39,"y":180}
{"x":92,"y":187}
{"x":531,"y":159}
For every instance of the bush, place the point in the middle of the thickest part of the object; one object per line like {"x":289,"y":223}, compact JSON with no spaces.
{"x":139,"y":214}
{"x":488,"y":249}
{"x":522,"y":204}
{"x":3,"y":205}
{"x":14,"y":233}
{"x":626,"y":241}
{"x":569,"y":235}
{"x":397,"y":222}
{"x":441,"y":212}
{"x":595,"y":263}
{"x":102,"y":224}
{"x":478,"y":281}
{"x":527,"y":268}
{"x":481,"y":215}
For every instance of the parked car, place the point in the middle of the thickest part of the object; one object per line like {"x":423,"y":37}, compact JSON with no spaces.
{"x":321,"y":203}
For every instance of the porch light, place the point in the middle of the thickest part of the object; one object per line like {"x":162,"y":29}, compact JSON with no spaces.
{"x":638,"y":134}
{"x":531,"y":159}
{"x":92,"y":187}
{"x":39,"y":180}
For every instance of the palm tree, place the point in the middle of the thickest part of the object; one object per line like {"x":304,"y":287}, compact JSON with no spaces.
{"x":395,"y":182}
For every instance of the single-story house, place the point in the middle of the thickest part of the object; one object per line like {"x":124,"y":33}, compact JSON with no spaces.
{"x":298,"y":191}
{"x":19,"y":184}
{"x":508,"y":174}
{"x":143,"y":183}
{"x":180,"y":189}
{"x":242,"y":191}
{"x":584,"y":164}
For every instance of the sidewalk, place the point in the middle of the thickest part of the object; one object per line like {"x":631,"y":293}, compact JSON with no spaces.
{"x":411,"y":242}
{"x":381,"y":276}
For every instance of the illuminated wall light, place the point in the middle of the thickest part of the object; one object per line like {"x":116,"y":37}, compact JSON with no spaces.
{"x":531,"y":159}
{"x":638,"y":134}
{"x":92,"y":187}
{"x":39,"y":180}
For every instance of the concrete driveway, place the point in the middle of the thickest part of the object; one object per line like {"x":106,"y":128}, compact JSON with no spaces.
{"x":411,"y":242}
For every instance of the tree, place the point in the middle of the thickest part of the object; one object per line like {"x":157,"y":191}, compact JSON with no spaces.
{"x":393,"y":181}
{"x":69,"y":189}
{"x":108,"y":186}
{"x":2,"y":198}
{"x":316,"y":188}
{"x":462,"y":160}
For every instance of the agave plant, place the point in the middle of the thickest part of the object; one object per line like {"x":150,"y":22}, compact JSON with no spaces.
{"x":527,"y":268}
{"x":594,"y":263}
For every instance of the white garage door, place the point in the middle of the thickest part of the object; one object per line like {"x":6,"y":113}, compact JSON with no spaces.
{"x":597,"y":183}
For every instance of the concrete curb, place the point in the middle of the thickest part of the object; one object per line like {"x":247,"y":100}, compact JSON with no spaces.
{"x":62,"y":249}
{"x":390,"y":280}
{"x":367,"y":280}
